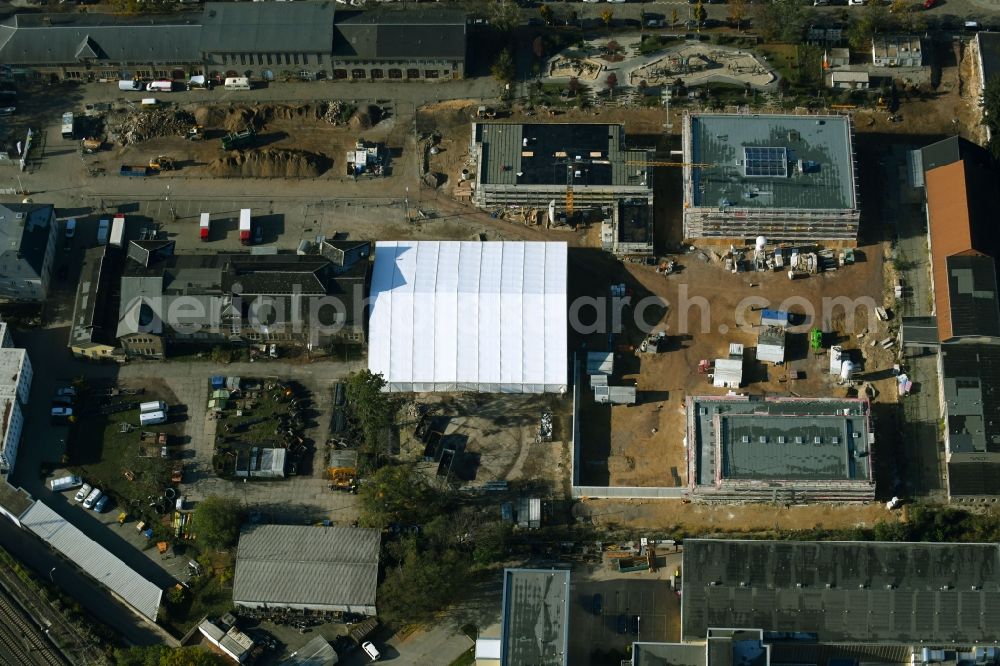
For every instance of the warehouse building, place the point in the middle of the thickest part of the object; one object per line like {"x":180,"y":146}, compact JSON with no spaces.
{"x":307,"y":568}
{"x":743,"y":448}
{"x":262,"y":41}
{"x":535,"y":617}
{"x":842,"y":592}
{"x":469,"y":316}
{"x":577,"y":166}
{"x":788,"y":178}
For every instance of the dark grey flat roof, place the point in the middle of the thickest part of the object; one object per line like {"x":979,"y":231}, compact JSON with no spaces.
{"x":879,"y":592}
{"x":541,"y":154}
{"x":970,"y":382}
{"x":974,"y":479}
{"x":296,"y":27}
{"x":989,"y":54}
{"x":972,"y":286}
{"x":822,"y":145}
{"x":414,"y":33}
{"x":635,"y":221}
{"x":535,"y":623}
{"x":775,"y":439}
{"x":920,"y":331}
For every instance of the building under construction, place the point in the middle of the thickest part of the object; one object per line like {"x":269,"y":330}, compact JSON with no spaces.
{"x":563,"y":166}
{"x":784,"y":177}
{"x":743,"y":448}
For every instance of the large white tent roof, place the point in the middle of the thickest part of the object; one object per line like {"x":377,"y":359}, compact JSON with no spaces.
{"x":469,"y":316}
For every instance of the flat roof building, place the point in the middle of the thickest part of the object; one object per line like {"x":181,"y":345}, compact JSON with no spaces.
{"x":305,"y":567}
{"x":844,"y":591}
{"x":743,"y":448}
{"x":535,"y":617}
{"x":897,"y":51}
{"x":469,"y":316}
{"x":535,"y":164}
{"x":788,"y":178}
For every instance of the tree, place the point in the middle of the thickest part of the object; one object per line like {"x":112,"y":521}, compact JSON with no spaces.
{"x":161,"y":655}
{"x":780,"y":20}
{"x":737,"y":12}
{"x":217,"y":521}
{"x":613,"y":47}
{"x":504,"y":15}
{"x":546,"y":12}
{"x":611,"y":82}
{"x":370,"y":406}
{"x":424,"y":583}
{"x":700,"y":13}
{"x":991,"y":112}
{"x":606,"y":16}
{"x":873,"y":19}
{"x":394,"y":494}
{"x":503,"y":69}
{"x":673,"y":17}
{"x":573,"y":86}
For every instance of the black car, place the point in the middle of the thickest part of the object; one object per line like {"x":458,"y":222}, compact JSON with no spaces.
{"x":622,"y":624}
{"x":598,"y":603}
{"x":635,"y":624}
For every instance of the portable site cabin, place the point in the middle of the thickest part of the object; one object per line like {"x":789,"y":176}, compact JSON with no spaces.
{"x":118,"y":230}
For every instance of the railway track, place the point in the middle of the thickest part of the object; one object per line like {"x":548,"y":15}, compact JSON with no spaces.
{"x":22,"y":640}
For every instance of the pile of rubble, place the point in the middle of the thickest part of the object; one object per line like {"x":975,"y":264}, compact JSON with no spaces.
{"x":270,"y":163}
{"x":137,"y":125}
{"x":545,"y":427}
{"x":335,"y":112}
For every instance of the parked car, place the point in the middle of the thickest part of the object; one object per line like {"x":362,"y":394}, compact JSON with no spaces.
{"x":371,"y":651}
{"x":82,"y":493}
{"x":66,"y":392}
{"x":622,"y":624}
{"x":258,"y":233}
{"x":61,"y":414}
{"x":634,"y":624}
{"x":70,"y":227}
{"x":598,"y":603}
{"x":92,"y":498}
{"x":101,"y":503}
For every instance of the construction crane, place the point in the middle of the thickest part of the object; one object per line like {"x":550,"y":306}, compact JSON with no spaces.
{"x":667,"y":164}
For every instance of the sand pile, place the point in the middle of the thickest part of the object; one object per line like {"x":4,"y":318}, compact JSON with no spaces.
{"x":270,"y":163}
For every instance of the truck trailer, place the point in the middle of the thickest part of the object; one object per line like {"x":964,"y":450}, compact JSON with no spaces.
{"x":245,"y":226}
{"x":204,"y":226}
{"x":118,"y":230}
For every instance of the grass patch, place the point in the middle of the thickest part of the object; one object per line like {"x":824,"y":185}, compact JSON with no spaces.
{"x":653,"y":43}
{"x":467,"y":658}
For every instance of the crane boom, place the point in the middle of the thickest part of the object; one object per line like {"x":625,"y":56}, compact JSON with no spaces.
{"x":667,"y":164}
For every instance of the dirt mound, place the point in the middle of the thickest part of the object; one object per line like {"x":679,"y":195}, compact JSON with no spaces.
{"x":365,"y":117}
{"x":138,"y":125}
{"x":270,"y":163}
{"x":209,"y":116}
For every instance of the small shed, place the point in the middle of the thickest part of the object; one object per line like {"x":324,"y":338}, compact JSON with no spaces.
{"x":728,"y":373}
{"x":773,"y":318}
{"x":615,"y":395}
{"x":771,"y":345}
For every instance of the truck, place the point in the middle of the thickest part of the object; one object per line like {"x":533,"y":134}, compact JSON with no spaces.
{"x":136,"y":171}
{"x":103,"y":229}
{"x":65,"y":483}
{"x":68,"y":125}
{"x":236,"y":83}
{"x":245,"y":226}
{"x":160,"y":86}
{"x":235,"y":140}
{"x":204,"y":226}
{"x":118,"y":230}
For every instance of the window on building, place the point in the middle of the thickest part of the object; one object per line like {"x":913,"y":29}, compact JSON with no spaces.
{"x":269,"y":59}
{"x":357,"y":73}
{"x":430,"y":73}
{"x":340,"y":73}
{"x":395,"y":73}
{"x":295,"y":57}
{"x":305,"y":58}
{"x":413,"y":73}
{"x":243,"y":58}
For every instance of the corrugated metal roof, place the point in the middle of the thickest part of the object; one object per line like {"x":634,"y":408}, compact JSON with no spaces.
{"x":308,"y":565}
{"x":262,"y":27}
{"x":93,"y":558}
{"x":535,"y":623}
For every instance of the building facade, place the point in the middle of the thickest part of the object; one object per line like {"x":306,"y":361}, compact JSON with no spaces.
{"x":28,"y":236}
{"x":16,"y":375}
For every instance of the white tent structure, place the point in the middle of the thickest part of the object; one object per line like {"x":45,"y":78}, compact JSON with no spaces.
{"x":469,"y":316}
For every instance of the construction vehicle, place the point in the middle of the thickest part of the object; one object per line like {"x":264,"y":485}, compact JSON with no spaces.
{"x":162,"y":163}
{"x":236,"y":140}
{"x":91,"y":146}
{"x":342,"y":470}
{"x":196,"y":133}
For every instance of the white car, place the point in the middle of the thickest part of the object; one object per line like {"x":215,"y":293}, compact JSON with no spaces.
{"x":70,"y":227}
{"x":92,"y":498}
{"x":371,"y":651}
{"x":82,"y":493}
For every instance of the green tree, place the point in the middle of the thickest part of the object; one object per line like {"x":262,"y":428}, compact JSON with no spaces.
{"x":700,"y":13}
{"x":503,"y":69}
{"x":394,"y":494}
{"x":673,"y":17}
{"x":217,"y":521}
{"x":491,"y":542}
{"x":504,"y":14}
{"x":872,"y":20}
{"x":780,"y":20}
{"x":370,"y":406}
{"x":991,"y":112}
{"x":161,"y":655}
{"x":424,"y":583}
{"x":546,"y":13}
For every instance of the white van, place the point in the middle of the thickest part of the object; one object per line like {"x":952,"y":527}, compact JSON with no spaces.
{"x":371,"y":651}
{"x":92,"y":498}
{"x":152,"y":418}
{"x":65,"y":483}
{"x":237,"y":83}
{"x":70,"y":227}
{"x":130,"y":85}
{"x":160,"y":86}
{"x":103,"y":230}
{"x":153,"y":406}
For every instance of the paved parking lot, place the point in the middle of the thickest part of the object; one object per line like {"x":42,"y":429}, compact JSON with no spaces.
{"x":638,"y":596}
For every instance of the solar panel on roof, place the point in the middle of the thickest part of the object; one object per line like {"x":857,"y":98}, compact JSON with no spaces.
{"x":765,"y":161}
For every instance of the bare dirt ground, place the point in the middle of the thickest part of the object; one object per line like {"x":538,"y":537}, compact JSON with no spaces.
{"x":498,"y":436}
{"x":709,"y":308}
{"x":707,"y":518}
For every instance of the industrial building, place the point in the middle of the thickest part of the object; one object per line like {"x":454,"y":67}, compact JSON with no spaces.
{"x":743,"y":448}
{"x":628,"y":234}
{"x":574,"y":166}
{"x":15,"y":387}
{"x":261,"y":41}
{"x":844,"y":592}
{"x":535,"y":617}
{"x":469,"y":316}
{"x":28,"y":237}
{"x":788,"y":178}
{"x":307,"y":568}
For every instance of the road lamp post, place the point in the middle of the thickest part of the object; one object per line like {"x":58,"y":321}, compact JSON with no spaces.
{"x":52,"y":571}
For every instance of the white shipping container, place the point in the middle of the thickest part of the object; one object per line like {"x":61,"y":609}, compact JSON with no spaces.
{"x":118,"y":230}
{"x":153,"y":406}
